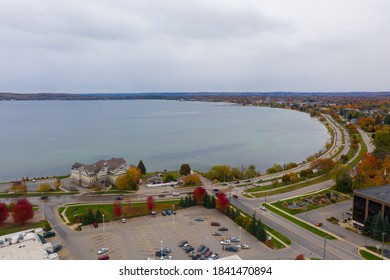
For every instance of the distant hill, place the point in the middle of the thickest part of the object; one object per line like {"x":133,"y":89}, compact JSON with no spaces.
{"x":175,"y":95}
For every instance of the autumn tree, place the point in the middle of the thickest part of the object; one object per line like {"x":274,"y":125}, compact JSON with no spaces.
{"x":150,"y":204}
{"x":192,"y":180}
{"x":44,"y":187}
{"x":222,"y":202}
{"x":117,"y":209}
{"x":323,"y":164}
{"x":300,"y":257}
{"x":185,"y":169}
{"x":130,"y":180}
{"x":141,"y":167}
{"x":199,"y":194}
{"x":4,"y":213}
{"x":367,"y":170}
{"x":22,"y":211}
{"x":18,"y":186}
{"x":220,"y":173}
{"x":57,"y":183}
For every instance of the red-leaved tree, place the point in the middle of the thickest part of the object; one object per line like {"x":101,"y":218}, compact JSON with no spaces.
{"x":199,"y":194}
{"x":150,"y":203}
{"x":117,"y":209}
{"x":4,"y":213}
{"x":222,"y":201}
{"x":22,"y":211}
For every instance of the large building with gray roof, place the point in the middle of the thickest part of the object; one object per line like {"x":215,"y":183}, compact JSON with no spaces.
{"x":103,"y":172}
{"x":369,"y":202}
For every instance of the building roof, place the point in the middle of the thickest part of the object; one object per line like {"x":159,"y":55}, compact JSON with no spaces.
{"x":24,"y":245}
{"x":111,"y":164}
{"x":381,"y":193}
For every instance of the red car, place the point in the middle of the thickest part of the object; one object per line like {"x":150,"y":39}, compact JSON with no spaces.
{"x":104,"y":257}
{"x":215,"y":224}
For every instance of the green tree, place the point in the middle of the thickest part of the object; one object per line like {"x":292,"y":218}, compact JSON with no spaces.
{"x":367,"y":226}
{"x":251,"y":172}
{"x":141,"y":167}
{"x":220,"y":173}
{"x":275,"y":169}
{"x":378,"y":227}
{"x":185,"y":169}
{"x":98,"y":216}
{"x":286,"y":178}
{"x":169,"y":178}
{"x":44,"y":187}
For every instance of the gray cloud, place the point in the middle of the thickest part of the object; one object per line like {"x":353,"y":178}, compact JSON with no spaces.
{"x":172,"y":45}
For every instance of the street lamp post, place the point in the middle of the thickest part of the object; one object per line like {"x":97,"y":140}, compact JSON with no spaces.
{"x":103,"y":223}
{"x":383,"y":241}
{"x":173,"y":214}
{"x":323,"y":257}
{"x":43,"y":210}
{"x":161,"y":250}
{"x":239,"y":235}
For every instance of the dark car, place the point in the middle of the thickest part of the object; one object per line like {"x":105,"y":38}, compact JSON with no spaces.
{"x":231,"y":248}
{"x":164,"y":253}
{"x":204,"y":251}
{"x":215,"y":224}
{"x":44,"y":197}
{"x":181,"y":243}
{"x":119,"y":198}
{"x":200,"y":248}
{"x":57,"y":248}
{"x":163,"y":213}
{"x":235,"y":196}
{"x":189,"y":249}
{"x":49,"y":234}
{"x":223,"y":229}
{"x":161,"y":195}
{"x":196,"y":256}
{"x":217,"y":233}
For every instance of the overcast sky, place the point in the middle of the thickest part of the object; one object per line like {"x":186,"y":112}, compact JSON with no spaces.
{"x":194,"y":45}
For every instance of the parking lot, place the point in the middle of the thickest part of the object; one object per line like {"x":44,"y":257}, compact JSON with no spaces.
{"x":140,"y":238}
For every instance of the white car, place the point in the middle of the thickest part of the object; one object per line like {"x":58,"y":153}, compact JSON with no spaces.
{"x":225,"y":242}
{"x":214,"y":256}
{"x":243,"y":246}
{"x":175,"y":194}
{"x":123,"y":220}
{"x":102,"y":250}
{"x":262,"y":208}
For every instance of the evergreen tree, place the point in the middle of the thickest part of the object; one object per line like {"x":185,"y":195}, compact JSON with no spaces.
{"x":386,"y":228}
{"x":142,"y":167}
{"x":367,"y":226}
{"x":378,"y":227}
{"x":186,"y":202}
{"x":181,"y":204}
{"x":252,"y":225}
{"x":98,"y":216}
{"x":227,"y":212}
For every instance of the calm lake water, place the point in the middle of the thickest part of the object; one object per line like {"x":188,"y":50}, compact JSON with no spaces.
{"x":43,"y":138}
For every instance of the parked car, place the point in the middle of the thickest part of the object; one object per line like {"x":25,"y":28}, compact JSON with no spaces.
{"x":217,"y":233}
{"x":123,"y":220}
{"x":166,"y":249}
{"x":163,"y":213}
{"x":95,"y":224}
{"x":196,"y":256}
{"x":231,"y":248}
{"x":199,"y":219}
{"x":49,"y":234}
{"x":169,"y":212}
{"x":204,"y":251}
{"x":104,"y":257}
{"x":214,"y":256}
{"x":215,"y":224}
{"x":234,"y":239}
{"x":225,"y":242}
{"x":200,"y":248}
{"x":223,"y":229}
{"x":208,"y":254}
{"x":163,"y":253}
{"x":181,"y":243}
{"x":102,"y":250}
{"x":57,"y":248}
{"x":243,"y":246}
{"x":188,"y":249}
{"x":153,"y":213}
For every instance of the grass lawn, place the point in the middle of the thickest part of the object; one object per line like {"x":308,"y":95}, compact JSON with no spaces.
{"x":368,"y":256}
{"x":9,"y":228}
{"x":129,"y":210}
